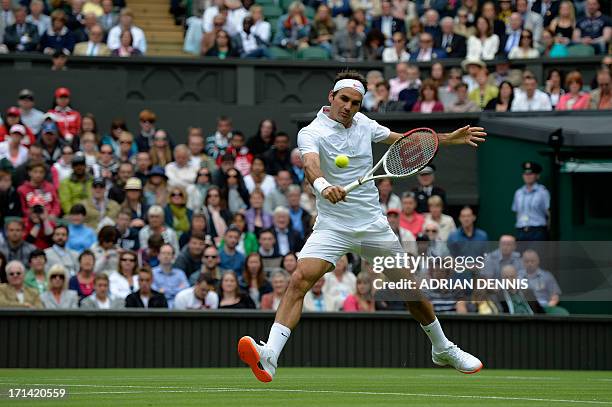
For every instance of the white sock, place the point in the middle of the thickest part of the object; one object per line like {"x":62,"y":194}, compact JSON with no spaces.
{"x":436,"y":336}
{"x":278,"y":337}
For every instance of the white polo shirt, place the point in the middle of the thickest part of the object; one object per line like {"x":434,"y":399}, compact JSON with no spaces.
{"x":329,"y":139}
{"x":522,"y":103}
{"x":186,"y":299}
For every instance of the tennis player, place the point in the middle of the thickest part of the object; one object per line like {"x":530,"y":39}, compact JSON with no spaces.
{"x":345,"y":222}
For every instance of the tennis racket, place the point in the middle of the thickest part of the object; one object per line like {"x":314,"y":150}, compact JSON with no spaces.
{"x":407,"y":156}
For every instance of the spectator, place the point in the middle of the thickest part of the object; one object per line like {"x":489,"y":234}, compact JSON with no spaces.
{"x":512,"y":38}
{"x":13,"y":149}
{"x":484,"y":92}
{"x":374,"y":45}
{"x":279,"y":156}
{"x":277,"y":196}
{"x":167,"y":279}
{"x":176,"y":213}
{"x":106,"y":250}
{"x":118,"y":190}
{"x":126,"y":46}
{"x":15,"y":294}
{"x":289,"y":262}
{"x":99,"y":208}
{"x":550,"y":48}
{"x":13,"y":245}
{"x":39,"y":227}
{"x":197,"y":191}
{"x":264,"y":139}
{"x":196,"y":144}
{"x":248,"y":43}
{"x":362,"y":299}
{"x":280,"y":282}
{"x":373,"y":77}
{"x":525,"y":49}
{"x":504,"y":255}
{"x":124,"y":280}
{"x":388,"y":24}
{"x":95,"y":47}
{"x":322,"y":29}
{"x":235,"y":193}
{"x":425,"y":51}
{"x":268,"y":249}
{"x":38,"y":17}
{"x":531,"y":21}
{"x":78,"y":187}
{"x":293,"y":28}
{"x":462,"y":103}
{"x":446,"y":90}
{"x":297,"y":167}
{"x":594,"y":29}
{"x":530,"y":98}
{"x":155,"y":216}
{"x":81,"y":237}
{"x":30,"y":116}
{"x":10,"y":203}
{"x":484,"y":44}
{"x":454,"y":45}
{"x":258,"y":178}
{"x":13,"y":117}
{"x":462,"y":24}
{"x":531,"y":204}
{"x":51,"y":144}
{"x":231,"y":259}
{"x":428,"y":101}
{"x":201,"y":296}
{"x":223,"y":47}
{"x":161,"y":155}
{"x":242,"y":157}
{"x":21,"y":36}
{"x":601,"y":98}
{"x":406,"y":86}
{"x":109,"y":18}
{"x":260,"y":27}
{"x":315,"y":300}
{"x":410,"y":220}
{"x":426,"y":188}
{"x":445,"y":223}
{"x":553,"y":86}
{"x":217,"y":143}
{"x":127,"y":148}
{"x":230,"y":295}
{"x":2,"y":268}
{"x":517,"y":301}
{"x":219,"y":23}
{"x":101,"y":299}
{"x":300,"y":219}
{"x":83,"y":281}
{"x":467,"y":240}
{"x":564,"y":24}
{"x":436,"y":246}
{"x":145,"y":296}
{"x":150,"y":255}
{"x":218,"y":215}
{"x":339,"y":284}
{"x":58,"y":37}
{"x":348,"y":43}
{"x":210,"y":267}
{"x":36,"y":276}
{"x":64,"y":165}
{"x":254,"y":278}
{"x":134,"y":199}
{"x":541,"y":282}
{"x":68,"y":120}
{"x":148,"y":134}
{"x":472,"y":67}
{"x":503,"y":101}
{"x":575,"y":98}
{"x":37,"y":192}
{"x":59,"y":296}
{"x":126,"y":18}
{"x":387,"y":199}
{"x":190,"y":258}
{"x":488,"y":11}
{"x":6,"y":16}
{"x":445,"y":300}
{"x":128,"y":236}
{"x":382,"y":103}
{"x":287,"y":239}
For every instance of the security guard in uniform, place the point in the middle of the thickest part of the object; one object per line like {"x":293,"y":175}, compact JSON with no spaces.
{"x":426,"y":188}
{"x":531,"y":204}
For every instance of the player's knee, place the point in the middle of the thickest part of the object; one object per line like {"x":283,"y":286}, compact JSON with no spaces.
{"x":298,"y":283}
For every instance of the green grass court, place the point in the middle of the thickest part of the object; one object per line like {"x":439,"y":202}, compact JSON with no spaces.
{"x":313,"y":387}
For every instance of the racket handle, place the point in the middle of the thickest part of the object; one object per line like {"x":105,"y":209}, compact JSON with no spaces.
{"x":352,"y":186}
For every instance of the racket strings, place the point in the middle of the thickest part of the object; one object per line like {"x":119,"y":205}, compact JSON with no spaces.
{"x":411,"y":153}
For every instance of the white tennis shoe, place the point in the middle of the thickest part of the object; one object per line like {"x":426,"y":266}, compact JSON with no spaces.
{"x":260,"y":358}
{"x":455,"y":357}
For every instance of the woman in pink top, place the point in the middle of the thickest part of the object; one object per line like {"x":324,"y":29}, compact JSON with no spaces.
{"x":428,"y":102}
{"x":363,"y":299}
{"x":574,"y":99}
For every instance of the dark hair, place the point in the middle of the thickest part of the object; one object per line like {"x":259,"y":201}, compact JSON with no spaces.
{"x":384,"y":83}
{"x":108,"y":234}
{"x":258,"y":134}
{"x":93,"y":119}
{"x":33,"y":164}
{"x":269,"y":230}
{"x":198,"y":236}
{"x":36,"y":253}
{"x":524,"y":30}
{"x":118,"y":123}
{"x":87,"y":252}
{"x":156,"y":241}
{"x":144,"y":269}
{"x":62,"y":227}
{"x":207,"y":277}
{"x":292,"y":254}
{"x":261,"y":275}
{"x":350,"y":74}
{"x":511,"y":87}
{"x":78,"y":209}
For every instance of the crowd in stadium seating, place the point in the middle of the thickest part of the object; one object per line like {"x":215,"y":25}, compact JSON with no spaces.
{"x":111,"y":219}
{"x":75,"y":27}
{"x":398,"y":30}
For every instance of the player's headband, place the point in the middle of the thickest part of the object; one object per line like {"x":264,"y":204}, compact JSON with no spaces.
{"x":349,"y":83}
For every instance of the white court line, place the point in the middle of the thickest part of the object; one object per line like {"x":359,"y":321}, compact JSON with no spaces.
{"x":171,"y":389}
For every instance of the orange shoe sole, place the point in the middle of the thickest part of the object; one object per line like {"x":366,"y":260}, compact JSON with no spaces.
{"x":474,"y":371}
{"x":248,"y":354}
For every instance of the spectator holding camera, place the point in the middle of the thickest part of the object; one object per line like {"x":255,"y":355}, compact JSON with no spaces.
{"x":37,"y":195}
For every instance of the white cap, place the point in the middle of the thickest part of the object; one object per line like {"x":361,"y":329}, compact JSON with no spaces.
{"x":18,"y":128}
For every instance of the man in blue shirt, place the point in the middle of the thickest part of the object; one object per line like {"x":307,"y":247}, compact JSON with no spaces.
{"x":166,"y":279}
{"x":531,"y":204}
{"x":467,"y":240}
{"x":230,"y":258}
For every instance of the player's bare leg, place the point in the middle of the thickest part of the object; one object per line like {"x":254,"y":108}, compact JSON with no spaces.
{"x":263,"y":358}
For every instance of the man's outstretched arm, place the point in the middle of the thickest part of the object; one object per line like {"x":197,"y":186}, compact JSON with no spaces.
{"x":465,"y":135}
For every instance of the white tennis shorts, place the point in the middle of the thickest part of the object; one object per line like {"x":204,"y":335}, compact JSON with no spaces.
{"x":327,"y":244}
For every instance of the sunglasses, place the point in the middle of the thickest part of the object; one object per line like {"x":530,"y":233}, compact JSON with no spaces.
{"x":431,"y":231}
{"x":204,"y":174}
{"x":106,"y":152}
{"x":210,"y":257}
{"x":176,"y":194}
{"x":147,"y":121}
{"x":15,"y":273}
{"x":160,"y":139}
{"x":129,"y":259}
{"x":125,"y":142}
{"x":60,"y":276}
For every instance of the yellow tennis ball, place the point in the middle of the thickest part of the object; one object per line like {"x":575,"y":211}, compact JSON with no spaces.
{"x":342,"y":161}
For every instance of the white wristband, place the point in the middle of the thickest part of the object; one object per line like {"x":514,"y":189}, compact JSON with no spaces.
{"x":320,"y":184}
